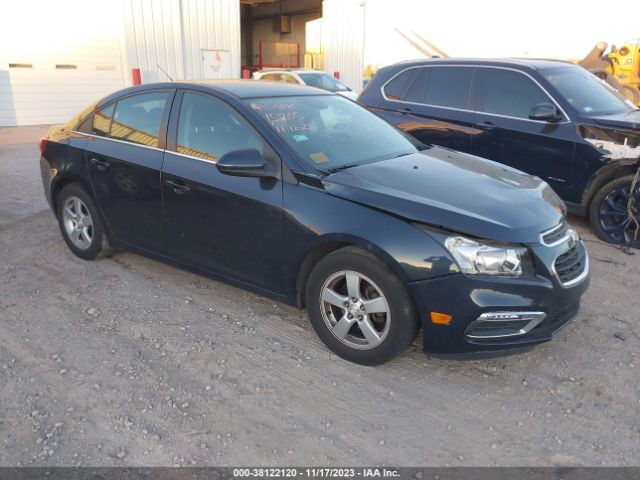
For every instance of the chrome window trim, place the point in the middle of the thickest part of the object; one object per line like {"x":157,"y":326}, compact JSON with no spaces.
{"x":210,"y":162}
{"x":119,"y":141}
{"x":146,"y":146}
{"x":567,"y":118}
{"x":580,"y":278}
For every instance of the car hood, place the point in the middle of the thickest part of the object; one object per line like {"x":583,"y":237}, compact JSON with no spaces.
{"x":454,"y":191}
{"x":629,"y":120}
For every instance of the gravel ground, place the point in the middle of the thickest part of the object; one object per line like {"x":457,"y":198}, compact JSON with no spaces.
{"x":128,"y":361}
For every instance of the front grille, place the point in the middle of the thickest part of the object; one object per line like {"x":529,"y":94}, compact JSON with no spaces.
{"x":571,"y":264}
{"x":556,"y":234}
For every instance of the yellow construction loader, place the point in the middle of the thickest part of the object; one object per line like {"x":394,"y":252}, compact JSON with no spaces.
{"x":620,"y":68}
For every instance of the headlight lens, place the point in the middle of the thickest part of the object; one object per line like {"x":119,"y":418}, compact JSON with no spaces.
{"x":476,"y":258}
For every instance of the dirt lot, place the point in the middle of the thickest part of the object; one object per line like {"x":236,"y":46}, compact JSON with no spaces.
{"x":128,"y":361}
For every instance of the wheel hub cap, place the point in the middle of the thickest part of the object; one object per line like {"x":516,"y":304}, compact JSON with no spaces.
{"x":355,"y":310}
{"x":78,"y":223}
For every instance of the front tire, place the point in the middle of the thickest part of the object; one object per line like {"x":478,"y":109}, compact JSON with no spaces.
{"x":608,"y":213}
{"x":359,"y":308}
{"x":81,"y":224}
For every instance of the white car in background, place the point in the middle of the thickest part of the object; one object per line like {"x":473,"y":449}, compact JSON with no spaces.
{"x":312,"y":78}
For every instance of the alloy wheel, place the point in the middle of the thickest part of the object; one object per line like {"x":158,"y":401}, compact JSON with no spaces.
{"x":355,"y":310}
{"x":614,"y":217}
{"x":78,"y":222}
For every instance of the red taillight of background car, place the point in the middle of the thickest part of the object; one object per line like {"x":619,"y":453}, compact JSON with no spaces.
{"x":43,"y":145}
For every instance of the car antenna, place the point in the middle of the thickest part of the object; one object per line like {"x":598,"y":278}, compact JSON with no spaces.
{"x":164,"y":71}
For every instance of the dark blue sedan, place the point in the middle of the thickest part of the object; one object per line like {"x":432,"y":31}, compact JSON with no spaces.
{"x":306,"y":197}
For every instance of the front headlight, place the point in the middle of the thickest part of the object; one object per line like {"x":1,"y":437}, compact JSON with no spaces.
{"x":476,"y":258}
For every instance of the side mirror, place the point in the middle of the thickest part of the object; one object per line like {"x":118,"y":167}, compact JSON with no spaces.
{"x":546,"y":112}
{"x":245,"y":162}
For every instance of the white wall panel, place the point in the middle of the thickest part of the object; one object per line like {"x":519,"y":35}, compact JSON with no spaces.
{"x":171,"y":34}
{"x":343,"y":40}
{"x":58,"y":33}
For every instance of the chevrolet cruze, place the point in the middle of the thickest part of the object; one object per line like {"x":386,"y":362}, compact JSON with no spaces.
{"x":306,"y":197}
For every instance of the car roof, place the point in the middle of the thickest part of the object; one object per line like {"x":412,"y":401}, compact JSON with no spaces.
{"x":525,"y":63}
{"x":236,"y":88}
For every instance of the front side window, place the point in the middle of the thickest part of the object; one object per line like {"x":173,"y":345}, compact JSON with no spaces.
{"x":330,"y":132}
{"x":585,"y":92}
{"x":208,"y":128}
{"x":509,"y":93}
{"x":449,"y":87}
{"x":102,"y":121}
{"x":137,"y":119}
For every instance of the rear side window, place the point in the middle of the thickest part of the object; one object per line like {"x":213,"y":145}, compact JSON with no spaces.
{"x":285,"y":77}
{"x":397,"y":88}
{"x":418,"y":88}
{"x":102,"y":121}
{"x":208,"y":128}
{"x":137,"y":119}
{"x":509,"y":93}
{"x":449,"y":87}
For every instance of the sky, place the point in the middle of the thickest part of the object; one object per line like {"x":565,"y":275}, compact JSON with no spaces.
{"x":563,"y":29}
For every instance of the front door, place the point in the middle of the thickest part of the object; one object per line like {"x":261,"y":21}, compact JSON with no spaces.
{"x":507,"y":135}
{"x":224,"y":224}
{"x":124,"y":157}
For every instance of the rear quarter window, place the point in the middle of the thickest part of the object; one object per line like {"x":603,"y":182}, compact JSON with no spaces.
{"x":101,"y":122}
{"x":397,"y":87}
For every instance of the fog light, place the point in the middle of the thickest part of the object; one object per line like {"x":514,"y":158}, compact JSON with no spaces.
{"x":441,"y":318}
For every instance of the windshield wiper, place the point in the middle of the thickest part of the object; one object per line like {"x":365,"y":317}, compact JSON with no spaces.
{"x":341,"y":167}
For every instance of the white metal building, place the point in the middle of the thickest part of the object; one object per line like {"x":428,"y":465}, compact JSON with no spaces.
{"x":57,"y":57}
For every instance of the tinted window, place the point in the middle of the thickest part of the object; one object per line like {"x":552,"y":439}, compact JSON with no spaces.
{"x":102,"y":121}
{"x":208,"y":128}
{"x":398,"y":86}
{"x":273,"y":77}
{"x":449,"y":86}
{"x":418,"y":88}
{"x":505,"y":92}
{"x":586,"y":93}
{"x":288,"y":78}
{"x":137,"y":118}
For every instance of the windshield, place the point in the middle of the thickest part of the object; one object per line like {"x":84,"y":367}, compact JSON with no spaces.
{"x":586,"y":93}
{"x":323,"y":80}
{"x":330,"y":132}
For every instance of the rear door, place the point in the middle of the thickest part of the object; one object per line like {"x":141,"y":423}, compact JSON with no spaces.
{"x":124,"y":154}
{"x":432,"y":104}
{"x":504,"y":99}
{"x":224,"y":224}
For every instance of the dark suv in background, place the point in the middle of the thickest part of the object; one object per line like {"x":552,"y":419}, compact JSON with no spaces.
{"x":548,"y":118}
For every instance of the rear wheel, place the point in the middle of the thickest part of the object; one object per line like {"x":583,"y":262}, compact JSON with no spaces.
{"x":81,"y":224}
{"x":609,"y":213}
{"x":359,"y":308}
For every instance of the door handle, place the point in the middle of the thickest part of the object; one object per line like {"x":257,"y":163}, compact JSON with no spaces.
{"x":487,"y":125}
{"x":100,"y":164}
{"x":178,"y":186}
